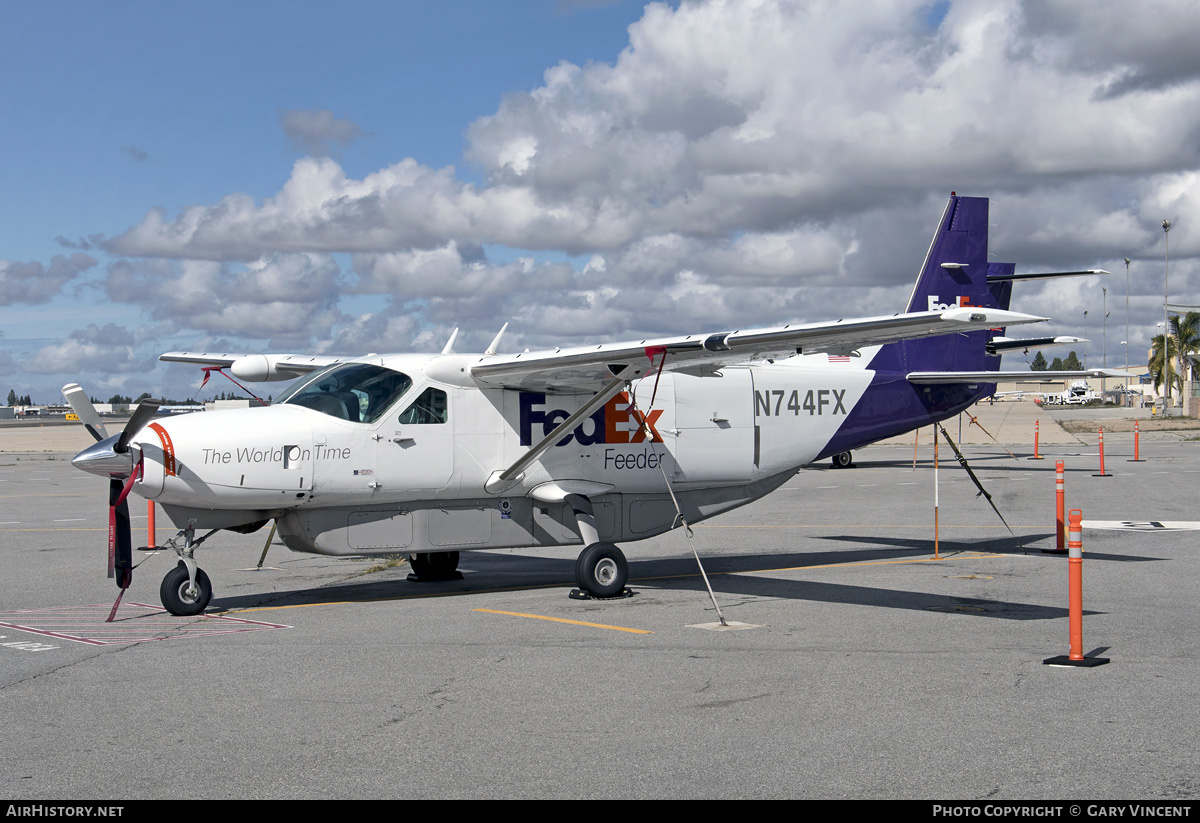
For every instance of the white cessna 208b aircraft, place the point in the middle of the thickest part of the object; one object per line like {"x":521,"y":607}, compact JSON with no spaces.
{"x":431,"y":454}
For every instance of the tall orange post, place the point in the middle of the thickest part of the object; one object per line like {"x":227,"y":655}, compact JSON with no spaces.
{"x":150,"y":524}
{"x":1075,"y":601}
{"x":1036,"y":433}
{"x":1102,"y":473}
{"x":1136,"y":432}
{"x":1060,"y":505}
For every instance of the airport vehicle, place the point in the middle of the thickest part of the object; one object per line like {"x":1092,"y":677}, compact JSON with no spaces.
{"x":432,"y":454}
{"x":1078,"y":394}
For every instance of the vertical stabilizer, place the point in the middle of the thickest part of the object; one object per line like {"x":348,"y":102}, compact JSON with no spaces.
{"x":955,"y":269}
{"x":954,"y":274}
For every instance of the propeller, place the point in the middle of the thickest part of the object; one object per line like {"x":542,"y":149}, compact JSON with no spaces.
{"x":112,"y":457}
{"x":74,"y":394}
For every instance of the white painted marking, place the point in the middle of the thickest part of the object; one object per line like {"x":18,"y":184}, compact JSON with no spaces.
{"x":826,"y":487}
{"x":730,"y":626}
{"x":29,"y":646}
{"x":72,"y":520}
{"x":1144,"y":525}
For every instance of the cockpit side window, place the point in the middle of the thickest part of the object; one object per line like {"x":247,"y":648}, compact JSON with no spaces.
{"x":430,"y":407}
{"x":357,"y":392}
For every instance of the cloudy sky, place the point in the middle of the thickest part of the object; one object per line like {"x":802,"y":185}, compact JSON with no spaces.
{"x":353,"y":177}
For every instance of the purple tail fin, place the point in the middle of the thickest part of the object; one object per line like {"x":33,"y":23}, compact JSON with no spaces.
{"x":954,"y":274}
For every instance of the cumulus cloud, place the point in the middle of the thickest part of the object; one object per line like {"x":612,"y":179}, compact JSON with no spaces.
{"x":737,"y":163}
{"x":34,"y":282}
{"x":282,"y":297}
{"x":317,"y":130}
{"x":720,"y":118}
{"x":107,"y":348}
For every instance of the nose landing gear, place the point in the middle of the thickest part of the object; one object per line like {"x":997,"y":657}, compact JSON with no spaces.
{"x":186,"y":590}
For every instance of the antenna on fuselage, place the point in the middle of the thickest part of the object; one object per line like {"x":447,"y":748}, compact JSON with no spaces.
{"x":491,"y":349}
{"x":449,"y":347}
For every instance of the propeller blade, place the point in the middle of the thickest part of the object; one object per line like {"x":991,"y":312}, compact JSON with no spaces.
{"x":74,"y":394}
{"x":141,"y":416}
{"x":120,"y":540}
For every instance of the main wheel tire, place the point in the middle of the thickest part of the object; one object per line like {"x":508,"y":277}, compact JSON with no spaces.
{"x":420,"y":564}
{"x":434,"y":565}
{"x":842,"y":460}
{"x":174,"y":592}
{"x":601,"y":570}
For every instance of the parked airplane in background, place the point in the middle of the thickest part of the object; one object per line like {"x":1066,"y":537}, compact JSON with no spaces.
{"x":431,"y":454}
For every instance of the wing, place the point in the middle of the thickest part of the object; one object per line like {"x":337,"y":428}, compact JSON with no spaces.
{"x":256,"y":368}
{"x":586,"y":369}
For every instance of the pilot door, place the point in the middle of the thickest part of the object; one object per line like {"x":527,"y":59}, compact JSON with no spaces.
{"x":415,"y":445}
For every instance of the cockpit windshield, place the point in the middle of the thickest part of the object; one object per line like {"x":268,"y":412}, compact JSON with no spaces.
{"x":357,"y":392}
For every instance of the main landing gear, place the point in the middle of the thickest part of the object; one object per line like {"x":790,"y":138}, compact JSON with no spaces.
{"x":601,"y":569}
{"x":843,"y":460}
{"x":429,"y":566}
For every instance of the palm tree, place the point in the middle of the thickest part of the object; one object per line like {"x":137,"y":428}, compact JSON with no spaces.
{"x":1186,"y":333}
{"x":1157,"y":368}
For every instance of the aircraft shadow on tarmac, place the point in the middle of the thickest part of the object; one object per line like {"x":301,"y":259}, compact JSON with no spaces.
{"x":749,"y":575}
{"x":1000,"y":545}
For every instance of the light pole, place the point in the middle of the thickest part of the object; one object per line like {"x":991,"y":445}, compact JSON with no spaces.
{"x":1104,"y":338}
{"x":1126,"y":314}
{"x":1126,"y":340}
{"x":1085,"y":338}
{"x":1166,"y":224}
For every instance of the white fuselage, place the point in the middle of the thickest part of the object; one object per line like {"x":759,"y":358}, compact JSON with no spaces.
{"x":721,"y":438}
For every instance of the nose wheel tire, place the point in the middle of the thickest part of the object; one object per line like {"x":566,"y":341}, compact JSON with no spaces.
{"x":177,"y":595}
{"x":842,"y":460}
{"x":601,"y":570}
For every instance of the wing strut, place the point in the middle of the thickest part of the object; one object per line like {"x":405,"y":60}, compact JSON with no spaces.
{"x":687,"y":529}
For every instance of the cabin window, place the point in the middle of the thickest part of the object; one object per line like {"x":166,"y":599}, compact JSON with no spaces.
{"x":430,"y":407}
{"x":357,"y":392}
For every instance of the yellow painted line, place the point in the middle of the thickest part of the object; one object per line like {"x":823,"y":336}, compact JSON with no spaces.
{"x":851,"y":526}
{"x":952,"y":555}
{"x":956,"y":555}
{"x":564,"y":620}
{"x":971,"y":556}
{"x":425,"y":596}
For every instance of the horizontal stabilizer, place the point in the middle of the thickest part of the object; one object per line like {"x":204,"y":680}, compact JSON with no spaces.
{"x":1013,"y":376}
{"x":1045,"y":275}
{"x":1000,"y":345}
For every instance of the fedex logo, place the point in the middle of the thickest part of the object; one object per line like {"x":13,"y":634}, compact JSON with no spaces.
{"x":614,"y":422}
{"x":959,"y":302}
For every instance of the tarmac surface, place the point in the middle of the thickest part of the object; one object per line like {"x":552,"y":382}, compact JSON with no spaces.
{"x":871,"y":671}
